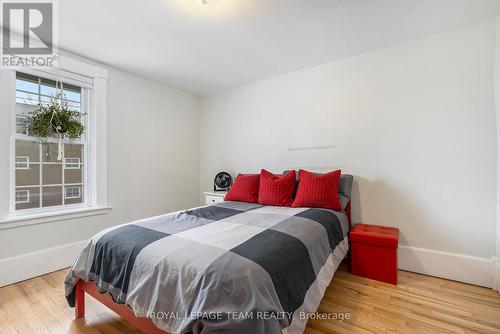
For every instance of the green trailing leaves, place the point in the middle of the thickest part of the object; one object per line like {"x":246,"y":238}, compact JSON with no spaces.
{"x":54,"y":119}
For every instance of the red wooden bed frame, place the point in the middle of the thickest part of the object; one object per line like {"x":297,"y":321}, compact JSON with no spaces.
{"x":143,"y":324}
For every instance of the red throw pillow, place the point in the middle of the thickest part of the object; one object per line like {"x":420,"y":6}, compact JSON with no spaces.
{"x":244,"y":189}
{"x":318,"y":191}
{"x":276,"y":189}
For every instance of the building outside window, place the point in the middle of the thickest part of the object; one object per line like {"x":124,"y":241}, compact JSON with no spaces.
{"x":22,"y":196}
{"x":72,"y":163}
{"x":73,"y":192}
{"x":22,"y":162}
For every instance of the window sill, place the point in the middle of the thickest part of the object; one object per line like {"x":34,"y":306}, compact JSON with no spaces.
{"x":48,"y":217}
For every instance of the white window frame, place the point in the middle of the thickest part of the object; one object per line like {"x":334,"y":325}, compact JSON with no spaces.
{"x":27,"y":196}
{"x":27,"y":162}
{"x":72,"y":165}
{"x":81,"y":74}
{"x":74,"y":196}
{"x":83,"y":141}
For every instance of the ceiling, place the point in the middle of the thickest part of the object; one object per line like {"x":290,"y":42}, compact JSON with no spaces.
{"x":205,"y":49}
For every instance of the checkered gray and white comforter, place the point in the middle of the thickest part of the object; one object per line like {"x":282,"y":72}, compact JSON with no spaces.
{"x":231,"y":267}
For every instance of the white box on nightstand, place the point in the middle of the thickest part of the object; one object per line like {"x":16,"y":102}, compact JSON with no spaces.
{"x":214,"y":196}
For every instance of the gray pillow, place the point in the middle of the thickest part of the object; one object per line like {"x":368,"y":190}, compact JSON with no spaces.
{"x":345,"y":187}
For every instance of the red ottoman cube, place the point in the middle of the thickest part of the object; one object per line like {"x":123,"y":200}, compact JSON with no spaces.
{"x":374,"y":252}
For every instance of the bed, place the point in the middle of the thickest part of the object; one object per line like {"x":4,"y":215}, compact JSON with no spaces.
{"x":230,"y":267}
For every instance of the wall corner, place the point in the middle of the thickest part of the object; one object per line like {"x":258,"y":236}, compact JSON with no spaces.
{"x":496,"y":259}
{"x":495,"y":273}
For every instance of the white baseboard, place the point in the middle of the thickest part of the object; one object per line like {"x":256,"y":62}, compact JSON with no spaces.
{"x":25,"y":266}
{"x":457,"y":267}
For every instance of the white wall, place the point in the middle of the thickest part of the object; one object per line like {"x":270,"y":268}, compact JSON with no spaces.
{"x":415,"y":124}
{"x":153,"y":167}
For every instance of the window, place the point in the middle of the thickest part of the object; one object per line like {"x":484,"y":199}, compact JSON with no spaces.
{"x":42,"y":181}
{"x":73,"y":192}
{"x":37,"y":179}
{"x":22,"y":162}
{"x":71,"y":163}
{"x":22,"y":196}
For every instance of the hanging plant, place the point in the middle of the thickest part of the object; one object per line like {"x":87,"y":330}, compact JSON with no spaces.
{"x":57,"y":119}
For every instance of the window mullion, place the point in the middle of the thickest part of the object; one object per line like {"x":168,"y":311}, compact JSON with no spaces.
{"x":63,"y":191}
{"x":39,"y":90}
{"x":40,"y":176}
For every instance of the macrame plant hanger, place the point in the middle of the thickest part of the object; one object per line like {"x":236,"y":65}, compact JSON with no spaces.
{"x":54,"y":126}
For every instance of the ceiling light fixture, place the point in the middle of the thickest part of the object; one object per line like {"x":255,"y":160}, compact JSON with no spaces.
{"x":202,"y":2}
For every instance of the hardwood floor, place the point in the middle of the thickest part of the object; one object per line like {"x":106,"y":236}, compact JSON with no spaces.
{"x":419,"y":304}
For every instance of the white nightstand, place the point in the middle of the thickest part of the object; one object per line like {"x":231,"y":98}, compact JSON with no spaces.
{"x":214,"y":196}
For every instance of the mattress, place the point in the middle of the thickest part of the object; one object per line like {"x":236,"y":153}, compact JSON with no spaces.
{"x":232,"y":266}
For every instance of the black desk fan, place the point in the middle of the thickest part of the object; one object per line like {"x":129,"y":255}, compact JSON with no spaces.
{"x":222,"y":181}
